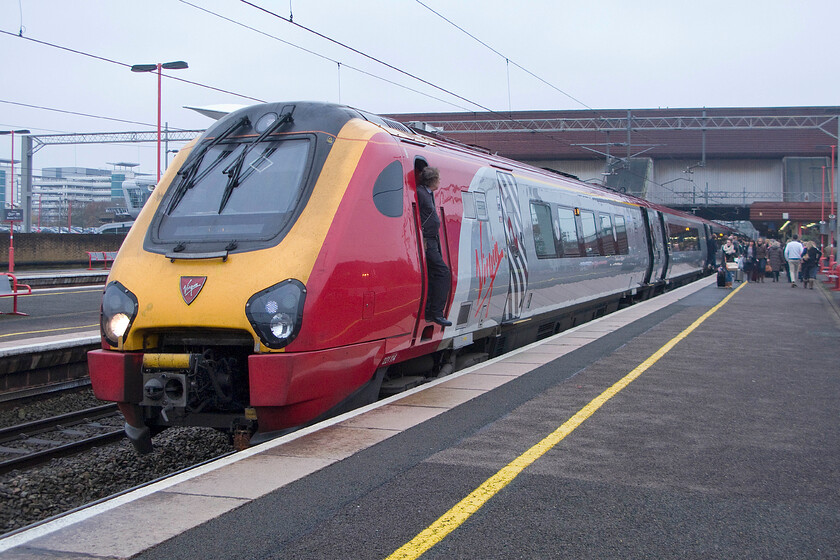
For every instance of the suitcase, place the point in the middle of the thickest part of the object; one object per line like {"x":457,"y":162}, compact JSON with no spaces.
{"x":721,"y":277}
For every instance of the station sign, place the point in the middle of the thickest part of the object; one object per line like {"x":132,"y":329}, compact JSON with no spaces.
{"x":13,"y":215}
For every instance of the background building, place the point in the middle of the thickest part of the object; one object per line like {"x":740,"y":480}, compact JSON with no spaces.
{"x":768,"y":171}
{"x":60,"y":192}
{"x":750,"y":166}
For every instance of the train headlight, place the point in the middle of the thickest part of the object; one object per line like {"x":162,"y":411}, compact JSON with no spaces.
{"x":276,"y":313}
{"x":119,"y":308}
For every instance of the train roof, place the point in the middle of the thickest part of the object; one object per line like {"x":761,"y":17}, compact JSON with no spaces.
{"x":331,"y":117}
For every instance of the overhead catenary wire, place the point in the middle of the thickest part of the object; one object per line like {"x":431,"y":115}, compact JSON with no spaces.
{"x":77,"y":113}
{"x":111,"y":61}
{"x":319,"y":55}
{"x":422,"y":80}
{"x":290,"y":21}
{"x":395,"y":68}
{"x":508,"y":62}
{"x":363,"y":54}
{"x":126,"y":65}
{"x":507,"y":59}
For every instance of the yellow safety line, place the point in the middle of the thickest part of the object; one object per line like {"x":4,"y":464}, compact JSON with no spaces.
{"x":50,"y":330}
{"x":453,"y":518}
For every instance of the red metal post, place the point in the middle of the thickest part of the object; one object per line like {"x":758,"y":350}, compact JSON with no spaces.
{"x":822,"y":209}
{"x":12,"y":224}
{"x":831,"y":190}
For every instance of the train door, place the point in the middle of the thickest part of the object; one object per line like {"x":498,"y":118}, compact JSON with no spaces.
{"x":657,"y":251}
{"x":666,"y":245}
{"x":708,"y":247}
{"x":514,"y":239}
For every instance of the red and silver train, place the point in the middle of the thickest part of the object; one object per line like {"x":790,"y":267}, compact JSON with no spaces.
{"x":277,"y":276}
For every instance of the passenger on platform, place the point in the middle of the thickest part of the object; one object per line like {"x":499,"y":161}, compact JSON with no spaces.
{"x":711,"y":253}
{"x":729,"y":251}
{"x":776,"y":259}
{"x":740,"y":245}
{"x":793,"y":255}
{"x":439,"y":275}
{"x":728,"y":257}
{"x":810,"y":264}
{"x":749,"y":261}
{"x":761,"y":260}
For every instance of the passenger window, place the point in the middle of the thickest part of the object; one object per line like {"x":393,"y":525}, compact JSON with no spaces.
{"x":544,"y":242}
{"x":590,"y":234}
{"x":622,"y":245}
{"x":607,"y":239}
{"x":568,"y":233}
{"x":683,"y":238}
{"x":388,"y":190}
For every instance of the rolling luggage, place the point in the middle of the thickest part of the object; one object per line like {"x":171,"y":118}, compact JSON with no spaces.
{"x":721,"y":277}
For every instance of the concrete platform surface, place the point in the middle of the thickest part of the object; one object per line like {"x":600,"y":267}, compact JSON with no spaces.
{"x":725,"y":446}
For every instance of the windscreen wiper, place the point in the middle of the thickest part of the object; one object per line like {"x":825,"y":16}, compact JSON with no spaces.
{"x":234,"y":170}
{"x":189,"y":172}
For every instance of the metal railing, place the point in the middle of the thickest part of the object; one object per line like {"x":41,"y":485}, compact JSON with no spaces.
{"x":743,"y":198}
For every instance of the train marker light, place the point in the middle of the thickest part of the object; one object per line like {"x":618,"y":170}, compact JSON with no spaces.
{"x":276,"y":312}
{"x":119,"y":308}
{"x":282,"y":325}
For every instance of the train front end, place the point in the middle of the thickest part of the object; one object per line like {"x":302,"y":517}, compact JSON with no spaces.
{"x":208,"y":292}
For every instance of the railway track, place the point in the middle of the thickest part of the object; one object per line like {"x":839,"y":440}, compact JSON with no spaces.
{"x":32,"y":443}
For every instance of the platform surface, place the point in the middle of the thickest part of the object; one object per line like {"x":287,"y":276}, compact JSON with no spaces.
{"x":722,"y":444}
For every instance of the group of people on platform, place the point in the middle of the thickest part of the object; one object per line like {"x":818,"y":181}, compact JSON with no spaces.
{"x":753,"y":261}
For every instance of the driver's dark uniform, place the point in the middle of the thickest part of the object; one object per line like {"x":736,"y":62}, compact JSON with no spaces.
{"x":439,"y":275}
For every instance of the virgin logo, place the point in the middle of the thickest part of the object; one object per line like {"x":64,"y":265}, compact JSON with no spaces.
{"x":191,"y":286}
{"x":486,"y":268}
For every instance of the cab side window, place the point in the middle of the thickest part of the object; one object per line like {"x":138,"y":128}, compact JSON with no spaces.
{"x":388,"y":190}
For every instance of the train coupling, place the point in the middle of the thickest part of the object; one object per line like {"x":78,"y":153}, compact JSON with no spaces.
{"x":243,"y":429}
{"x":165,"y":379}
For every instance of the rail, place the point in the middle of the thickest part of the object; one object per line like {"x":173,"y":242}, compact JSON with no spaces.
{"x":33,"y":443}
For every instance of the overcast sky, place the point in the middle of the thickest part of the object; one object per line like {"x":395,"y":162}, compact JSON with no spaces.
{"x":609,"y":54}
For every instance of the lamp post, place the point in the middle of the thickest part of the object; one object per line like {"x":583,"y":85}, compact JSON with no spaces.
{"x":12,"y":196}
{"x":177,"y":65}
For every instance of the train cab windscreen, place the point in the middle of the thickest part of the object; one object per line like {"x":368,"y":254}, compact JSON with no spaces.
{"x":236,"y":191}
